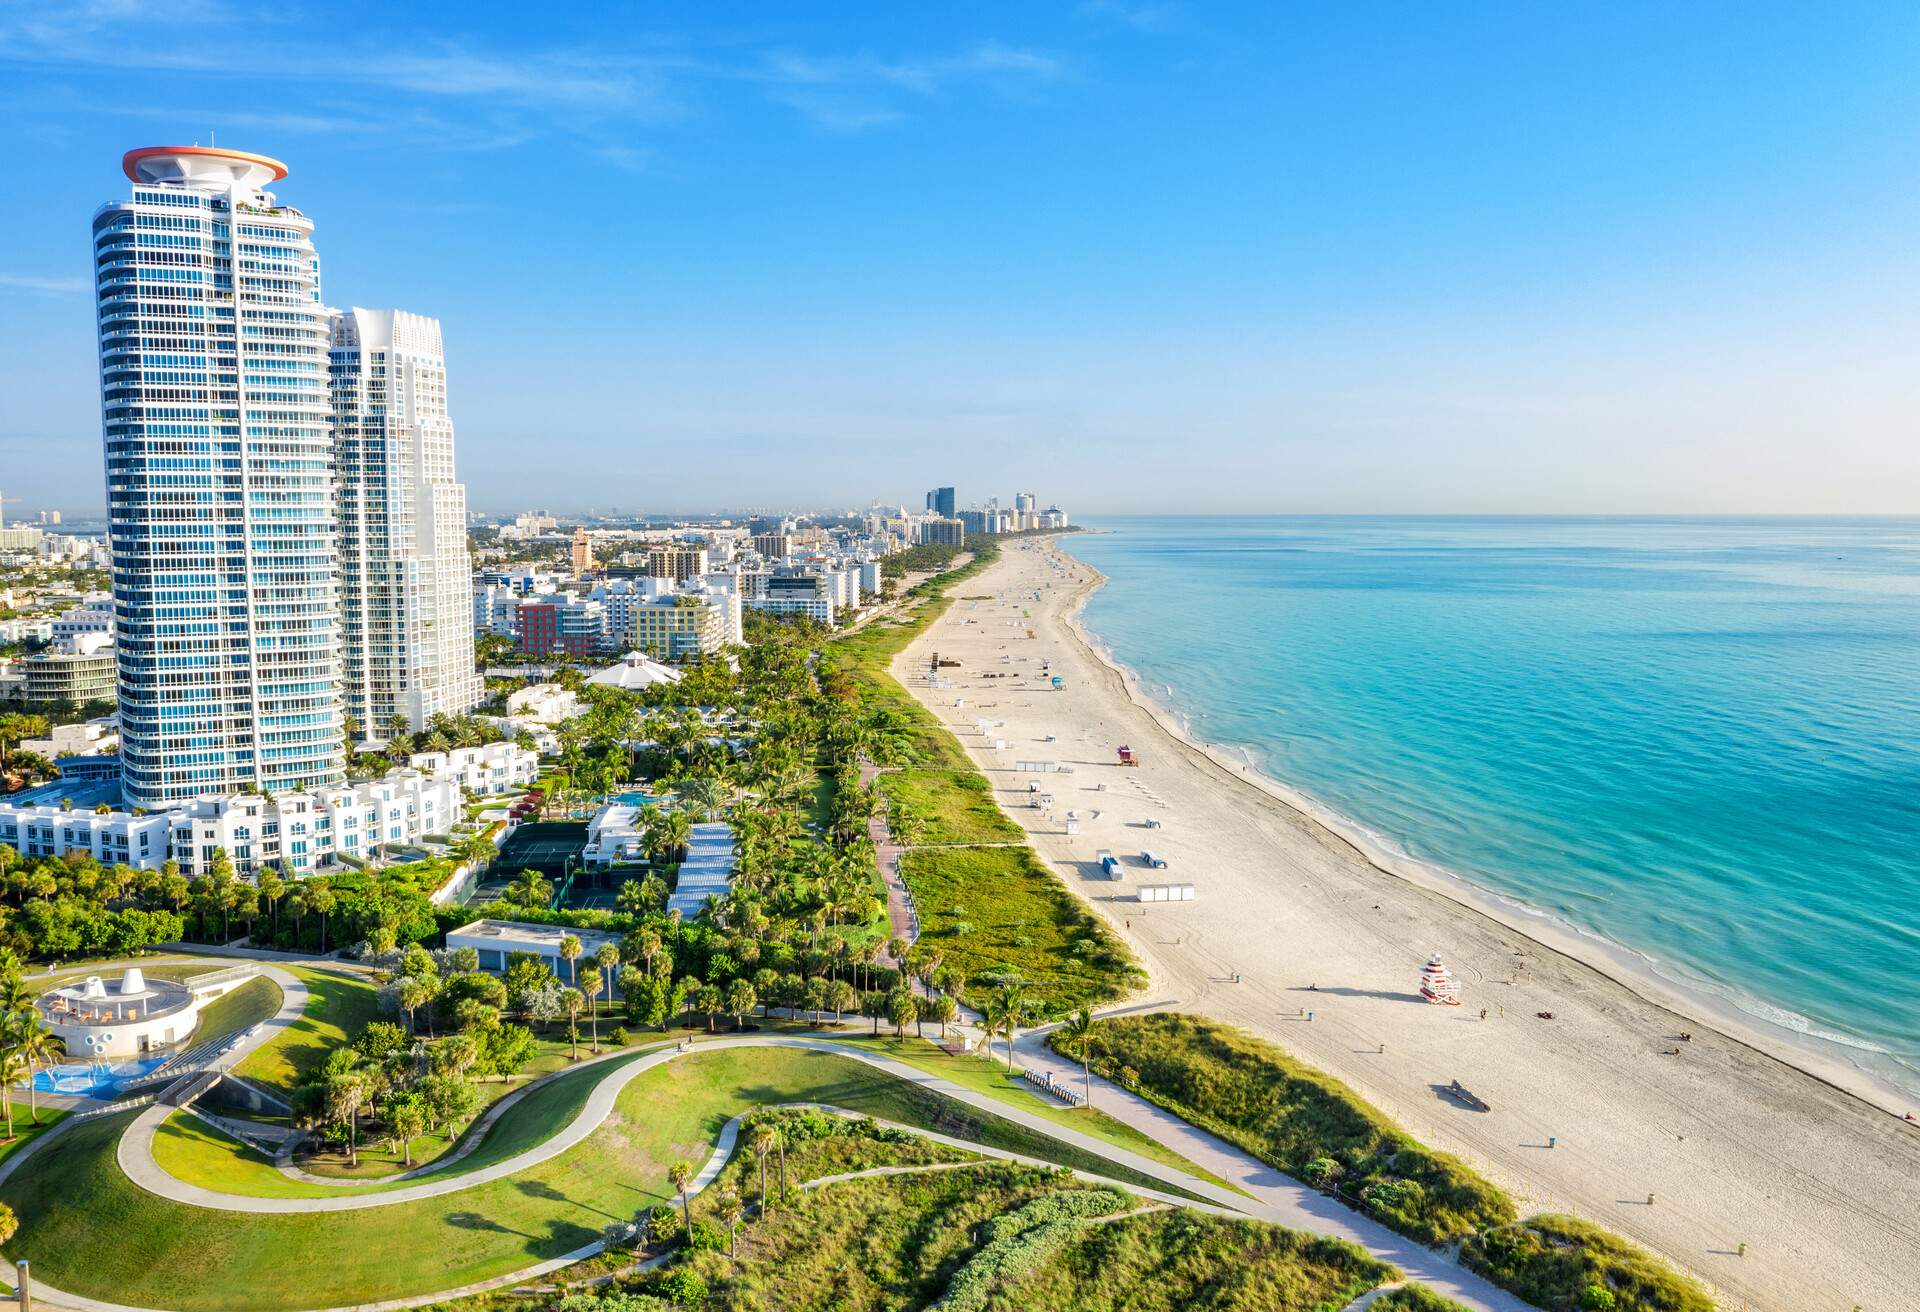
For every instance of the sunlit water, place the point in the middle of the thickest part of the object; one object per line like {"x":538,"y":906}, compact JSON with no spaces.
{"x":1699,"y":739}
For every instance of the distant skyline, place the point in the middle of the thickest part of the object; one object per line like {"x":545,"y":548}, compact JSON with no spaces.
{"x":1131,"y":256}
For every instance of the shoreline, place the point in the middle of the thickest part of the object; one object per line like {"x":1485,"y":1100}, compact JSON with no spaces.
{"x":1775,"y":1185}
{"x":1630,"y":969}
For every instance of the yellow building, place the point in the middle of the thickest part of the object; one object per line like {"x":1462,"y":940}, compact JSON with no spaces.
{"x":675,"y":627}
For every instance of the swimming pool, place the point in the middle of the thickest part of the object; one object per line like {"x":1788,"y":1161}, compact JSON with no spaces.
{"x":93,"y":1079}
{"x":634,"y":799}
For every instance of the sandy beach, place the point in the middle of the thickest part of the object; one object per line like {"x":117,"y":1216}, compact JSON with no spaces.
{"x":1734,"y":1145}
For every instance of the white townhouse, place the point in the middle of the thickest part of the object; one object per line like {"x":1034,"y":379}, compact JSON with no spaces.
{"x":484,"y":771}
{"x":310,"y":831}
{"x":116,"y":838}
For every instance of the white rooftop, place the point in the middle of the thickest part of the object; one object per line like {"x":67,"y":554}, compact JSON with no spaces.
{"x":634,"y":671}
{"x":708,"y":869}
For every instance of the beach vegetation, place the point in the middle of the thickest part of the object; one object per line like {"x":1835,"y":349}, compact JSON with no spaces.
{"x":1565,"y":1264}
{"x":1294,"y":1117}
{"x":1026,"y":928}
{"x":996,"y":1237}
{"x":950,"y":806}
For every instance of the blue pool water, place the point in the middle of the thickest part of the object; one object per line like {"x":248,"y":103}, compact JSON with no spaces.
{"x":1699,"y":739}
{"x":635,"y":799}
{"x":93,"y":1079}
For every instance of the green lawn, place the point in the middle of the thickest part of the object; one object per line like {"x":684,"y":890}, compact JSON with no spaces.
{"x":90,"y":1231}
{"x":995,"y":911}
{"x":338,"y":1006}
{"x":24,"y":1129}
{"x":954,"y":806}
{"x":251,"y":1003}
{"x":192,"y":1151}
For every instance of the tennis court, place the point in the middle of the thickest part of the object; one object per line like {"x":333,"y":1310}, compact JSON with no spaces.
{"x":543,"y":845}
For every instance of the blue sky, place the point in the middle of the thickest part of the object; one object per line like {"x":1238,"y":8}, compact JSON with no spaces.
{"x":1131,"y":255}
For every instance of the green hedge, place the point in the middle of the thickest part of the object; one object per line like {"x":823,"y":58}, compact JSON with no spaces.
{"x":1564,"y":1264}
{"x":1021,"y":1240}
{"x":1297,"y":1118}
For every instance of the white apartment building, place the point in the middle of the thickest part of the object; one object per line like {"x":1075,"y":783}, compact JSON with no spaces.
{"x":300,"y":832}
{"x":484,"y":771}
{"x":405,"y":620}
{"x":306,"y":832}
{"x":95,"y":617}
{"x":117,"y":838}
{"x":812,"y":606}
{"x":213,"y":374}
{"x":495,"y":606}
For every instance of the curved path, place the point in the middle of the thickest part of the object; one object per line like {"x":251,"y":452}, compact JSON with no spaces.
{"x":1270,"y":1196}
{"x":1273,"y":1197}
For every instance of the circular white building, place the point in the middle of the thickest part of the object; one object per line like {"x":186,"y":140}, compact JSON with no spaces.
{"x":130,"y":1018}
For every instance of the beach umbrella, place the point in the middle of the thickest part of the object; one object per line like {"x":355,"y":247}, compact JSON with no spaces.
{"x":1436,"y":984}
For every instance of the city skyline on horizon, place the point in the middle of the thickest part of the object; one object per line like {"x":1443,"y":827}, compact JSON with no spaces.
{"x":1026,"y":256}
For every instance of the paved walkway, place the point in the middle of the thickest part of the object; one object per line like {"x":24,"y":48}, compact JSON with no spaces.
{"x":1281,"y":1198}
{"x":902,"y":922}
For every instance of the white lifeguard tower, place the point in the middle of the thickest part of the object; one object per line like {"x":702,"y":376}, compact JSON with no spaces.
{"x":1437,"y":986}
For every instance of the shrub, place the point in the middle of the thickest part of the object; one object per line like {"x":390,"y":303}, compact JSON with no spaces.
{"x":619,"y":1038}
{"x":1566,"y":1265}
{"x":1021,"y":1240}
{"x":705,"y":1238}
{"x":663,"y":1224}
{"x":679,"y":1286}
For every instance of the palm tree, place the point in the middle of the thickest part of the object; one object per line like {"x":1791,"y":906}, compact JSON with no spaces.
{"x":731,"y":1213}
{"x":762,"y":1145}
{"x":575,"y":1002}
{"x":703,"y":793}
{"x":1080,"y":1027}
{"x":1013,"y":1005}
{"x":530,"y":889}
{"x":608,"y":959}
{"x":680,"y":1175}
{"x":13,"y":1069}
{"x":37,"y":1046}
{"x":589,"y":990}
{"x":570,"y":949}
{"x":320,"y":901}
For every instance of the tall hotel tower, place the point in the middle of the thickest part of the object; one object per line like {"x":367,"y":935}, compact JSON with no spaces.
{"x":220,"y":490}
{"x":406,"y":592}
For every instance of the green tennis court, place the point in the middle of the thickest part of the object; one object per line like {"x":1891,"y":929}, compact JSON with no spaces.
{"x":543,"y":845}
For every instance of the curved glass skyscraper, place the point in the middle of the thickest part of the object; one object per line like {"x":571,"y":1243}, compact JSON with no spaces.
{"x":220,"y":489}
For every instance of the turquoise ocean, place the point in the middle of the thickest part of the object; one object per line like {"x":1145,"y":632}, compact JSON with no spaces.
{"x":1695,"y":739}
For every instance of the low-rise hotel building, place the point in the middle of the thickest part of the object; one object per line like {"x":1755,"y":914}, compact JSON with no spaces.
{"x":484,"y":771}
{"x":496,"y":940}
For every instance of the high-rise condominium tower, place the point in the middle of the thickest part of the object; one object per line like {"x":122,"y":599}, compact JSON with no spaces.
{"x":213,"y":374}
{"x":406,"y":591}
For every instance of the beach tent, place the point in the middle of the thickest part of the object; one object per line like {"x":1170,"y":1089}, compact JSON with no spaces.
{"x":1437,"y":986}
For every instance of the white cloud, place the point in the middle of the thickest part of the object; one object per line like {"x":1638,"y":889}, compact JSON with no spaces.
{"x":34,"y":282}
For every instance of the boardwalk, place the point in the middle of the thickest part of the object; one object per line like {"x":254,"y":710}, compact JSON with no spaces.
{"x":887,"y":853}
{"x":707,"y":871}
